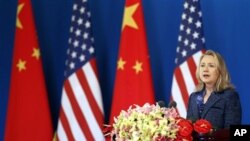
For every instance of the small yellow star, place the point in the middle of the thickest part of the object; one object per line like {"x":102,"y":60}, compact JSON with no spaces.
{"x":120,"y":64}
{"x":128,"y":16}
{"x":21,"y":65}
{"x":36,"y":53}
{"x":137,"y":67}
{"x":18,"y":22}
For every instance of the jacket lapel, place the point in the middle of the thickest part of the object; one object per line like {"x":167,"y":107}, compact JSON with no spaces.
{"x":211,"y":101}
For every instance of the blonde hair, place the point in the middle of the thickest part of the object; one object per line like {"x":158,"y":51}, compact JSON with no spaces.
{"x":223,"y":81}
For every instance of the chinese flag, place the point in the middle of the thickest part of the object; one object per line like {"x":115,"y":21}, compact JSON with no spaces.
{"x":28,"y":115}
{"x":133,"y":83}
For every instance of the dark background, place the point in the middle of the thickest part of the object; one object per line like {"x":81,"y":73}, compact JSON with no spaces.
{"x":226,"y":29}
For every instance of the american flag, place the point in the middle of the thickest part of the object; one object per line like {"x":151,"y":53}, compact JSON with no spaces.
{"x":191,"y":45}
{"x":81,"y":113}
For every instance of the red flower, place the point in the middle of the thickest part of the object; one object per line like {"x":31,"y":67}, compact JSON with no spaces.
{"x":202,"y":126}
{"x":185,"y":127}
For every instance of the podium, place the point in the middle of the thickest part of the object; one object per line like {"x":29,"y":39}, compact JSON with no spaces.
{"x":218,"y":135}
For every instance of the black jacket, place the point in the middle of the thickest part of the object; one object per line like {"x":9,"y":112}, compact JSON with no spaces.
{"x":222,"y":109}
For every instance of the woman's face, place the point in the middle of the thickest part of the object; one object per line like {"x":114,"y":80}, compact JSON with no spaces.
{"x":208,"y":70}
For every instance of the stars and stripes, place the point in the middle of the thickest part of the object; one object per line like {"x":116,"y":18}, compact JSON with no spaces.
{"x":190,"y":47}
{"x":81,"y":115}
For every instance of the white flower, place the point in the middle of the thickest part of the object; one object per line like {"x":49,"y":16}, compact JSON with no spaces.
{"x":146,"y":123}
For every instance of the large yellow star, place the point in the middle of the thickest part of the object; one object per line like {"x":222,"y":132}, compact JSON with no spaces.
{"x":120,"y":64}
{"x":128,"y":19}
{"x":18,"y":22}
{"x":137,"y":67}
{"x":21,"y":65}
{"x":36,"y":53}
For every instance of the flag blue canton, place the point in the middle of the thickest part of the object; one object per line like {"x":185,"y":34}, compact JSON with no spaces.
{"x":190,"y":39}
{"x":81,"y":41}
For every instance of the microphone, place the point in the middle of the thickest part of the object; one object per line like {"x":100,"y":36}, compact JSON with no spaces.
{"x":161,"y":104}
{"x":172,"y":104}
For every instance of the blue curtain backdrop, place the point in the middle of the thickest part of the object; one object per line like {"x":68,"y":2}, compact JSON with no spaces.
{"x":226,"y":29}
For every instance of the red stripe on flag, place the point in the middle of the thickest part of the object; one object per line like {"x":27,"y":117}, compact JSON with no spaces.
{"x":89,"y":95}
{"x":65,"y":125}
{"x":182,"y":86}
{"x":77,"y":111}
{"x":93,"y":65}
{"x":192,"y":68}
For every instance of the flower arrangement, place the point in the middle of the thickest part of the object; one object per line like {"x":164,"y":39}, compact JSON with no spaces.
{"x":152,"y":122}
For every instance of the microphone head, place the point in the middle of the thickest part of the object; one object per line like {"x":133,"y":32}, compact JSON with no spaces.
{"x":172,"y":104}
{"x":161,"y":103}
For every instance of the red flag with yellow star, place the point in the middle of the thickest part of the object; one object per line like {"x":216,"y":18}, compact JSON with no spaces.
{"x":28,"y":115}
{"x":133,"y":83}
